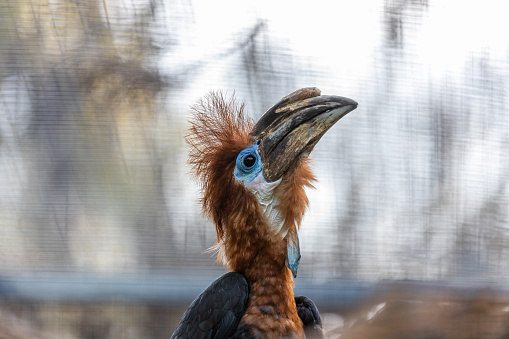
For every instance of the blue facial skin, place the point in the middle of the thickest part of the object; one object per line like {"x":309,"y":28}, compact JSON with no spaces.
{"x":248,"y":164}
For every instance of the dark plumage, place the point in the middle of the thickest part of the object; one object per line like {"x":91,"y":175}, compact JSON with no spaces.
{"x":310,"y":317}
{"x":217,"y":311}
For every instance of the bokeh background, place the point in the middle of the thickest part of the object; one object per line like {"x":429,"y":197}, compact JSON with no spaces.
{"x":100,"y":225}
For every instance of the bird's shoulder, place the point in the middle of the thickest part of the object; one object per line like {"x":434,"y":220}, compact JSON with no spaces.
{"x":217,"y":311}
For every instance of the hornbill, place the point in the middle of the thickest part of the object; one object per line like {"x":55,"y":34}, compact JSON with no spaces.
{"x":253,"y":178}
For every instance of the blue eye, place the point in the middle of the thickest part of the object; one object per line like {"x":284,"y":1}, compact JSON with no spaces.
{"x":249,"y":160}
{"x":248,"y":164}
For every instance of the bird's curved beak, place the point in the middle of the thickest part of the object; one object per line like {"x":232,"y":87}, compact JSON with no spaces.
{"x":288,"y":131}
{"x":292,"y":127}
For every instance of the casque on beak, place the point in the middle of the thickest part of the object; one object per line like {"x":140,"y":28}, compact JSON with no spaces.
{"x":292,"y":127}
{"x":289,"y":130}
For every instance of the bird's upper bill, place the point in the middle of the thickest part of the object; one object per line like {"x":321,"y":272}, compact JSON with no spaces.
{"x":292,"y":127}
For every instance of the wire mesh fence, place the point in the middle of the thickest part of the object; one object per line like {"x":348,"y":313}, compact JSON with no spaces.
{"x":94,"y":101}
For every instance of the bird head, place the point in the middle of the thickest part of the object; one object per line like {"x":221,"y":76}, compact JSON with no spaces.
{"x":253,"y":175}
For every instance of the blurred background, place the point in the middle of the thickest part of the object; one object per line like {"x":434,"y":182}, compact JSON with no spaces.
{"x":100,"y":224}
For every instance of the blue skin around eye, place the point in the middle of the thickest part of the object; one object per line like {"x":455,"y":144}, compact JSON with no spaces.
{"x":243,"y":173}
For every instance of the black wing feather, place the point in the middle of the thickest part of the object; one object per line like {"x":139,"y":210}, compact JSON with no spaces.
{"x":308,"y":313}
{"x":217,"y":311}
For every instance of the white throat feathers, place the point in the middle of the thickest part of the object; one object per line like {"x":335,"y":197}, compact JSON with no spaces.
{"x":264,"y":193}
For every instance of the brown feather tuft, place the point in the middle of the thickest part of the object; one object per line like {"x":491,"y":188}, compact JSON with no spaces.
{"x":219,"y":131}
{"x":291,"y":193}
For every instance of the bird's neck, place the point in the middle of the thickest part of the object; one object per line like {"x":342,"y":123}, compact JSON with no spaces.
{"x":259,"y":253}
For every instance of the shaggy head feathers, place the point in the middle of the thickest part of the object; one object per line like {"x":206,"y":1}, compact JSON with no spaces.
{"x":219,"y":131}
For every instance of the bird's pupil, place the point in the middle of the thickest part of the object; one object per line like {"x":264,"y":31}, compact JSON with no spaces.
{"x":249,"y":160}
